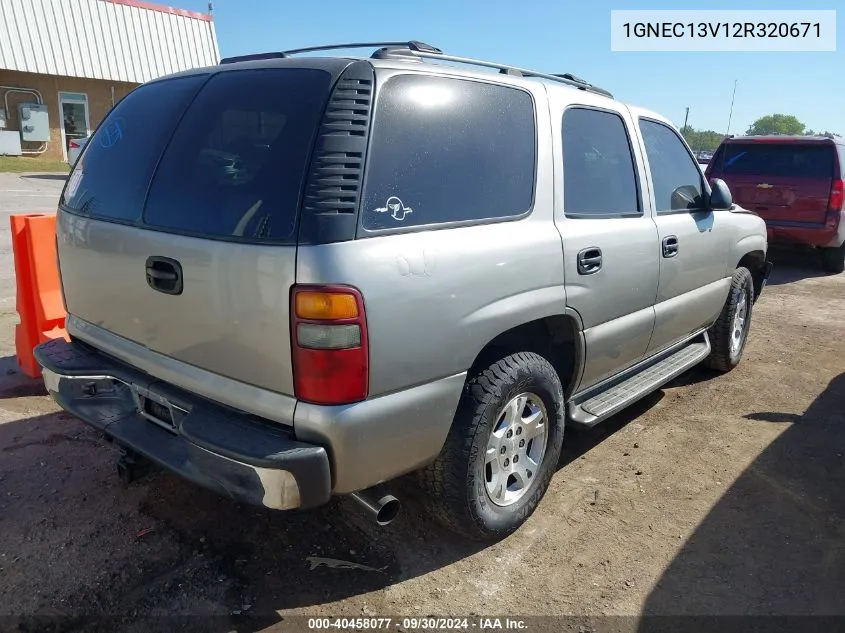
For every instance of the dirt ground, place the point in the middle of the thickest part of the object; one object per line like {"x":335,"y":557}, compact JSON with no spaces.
{"x":718,"y":495}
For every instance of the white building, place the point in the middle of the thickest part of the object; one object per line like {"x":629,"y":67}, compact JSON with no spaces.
{"x":65,"y":63}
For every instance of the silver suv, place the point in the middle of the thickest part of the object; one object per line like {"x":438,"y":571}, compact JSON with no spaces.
{"x":290,"y":277}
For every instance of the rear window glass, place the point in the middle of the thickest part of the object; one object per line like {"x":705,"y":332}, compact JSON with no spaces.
{"x":235,"y":165}
{"x":448,"y":150}
{"x":768,"y":159}
{"x":110,"y":180}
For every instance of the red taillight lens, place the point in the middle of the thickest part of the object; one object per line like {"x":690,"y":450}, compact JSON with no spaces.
{"x":74,"y":145}
{"x":837,"y":195}
{"x":329,"y":344}
{"x":834,"y":207}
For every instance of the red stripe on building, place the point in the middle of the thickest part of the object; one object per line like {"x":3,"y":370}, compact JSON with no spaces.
{"x":141,"y":4}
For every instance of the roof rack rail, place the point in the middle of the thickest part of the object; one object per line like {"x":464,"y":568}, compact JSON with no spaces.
{"x":414,"y":48}
{"x":249,"y":58}
{"x":412,"y":45}
{"x":568,"y":79}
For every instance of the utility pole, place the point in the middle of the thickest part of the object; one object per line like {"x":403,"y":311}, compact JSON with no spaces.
{"x":730,"y":116}
{"x":686,"y":118}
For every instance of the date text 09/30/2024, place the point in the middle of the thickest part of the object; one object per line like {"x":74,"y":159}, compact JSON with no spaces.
{"x":417,"y":624}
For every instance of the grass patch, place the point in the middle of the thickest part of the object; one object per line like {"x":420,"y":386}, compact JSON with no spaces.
{"x":20,"y":164}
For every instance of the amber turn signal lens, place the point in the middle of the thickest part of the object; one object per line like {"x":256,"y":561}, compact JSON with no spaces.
{"x":323,"y":306}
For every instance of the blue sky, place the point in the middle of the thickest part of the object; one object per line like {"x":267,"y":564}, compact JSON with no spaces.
{"x":565,"y":36}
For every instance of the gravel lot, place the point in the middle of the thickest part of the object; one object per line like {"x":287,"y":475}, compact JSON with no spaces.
{"x":717,"y":495}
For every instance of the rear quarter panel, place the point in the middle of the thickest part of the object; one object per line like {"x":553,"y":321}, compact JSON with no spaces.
{"x":435,"y":298}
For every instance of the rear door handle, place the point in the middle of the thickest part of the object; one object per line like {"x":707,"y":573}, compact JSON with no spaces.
{"x":670,"y":246}
{"x":164,"y":275}
{"x":589,"y":261}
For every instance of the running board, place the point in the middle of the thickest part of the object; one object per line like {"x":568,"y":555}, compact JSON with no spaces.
{"x":599,"y":403}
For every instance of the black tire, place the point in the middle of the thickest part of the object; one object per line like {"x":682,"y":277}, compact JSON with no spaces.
{"x":721,"y":357}
{"x":455,"y":481}
{"x":833,"y":259}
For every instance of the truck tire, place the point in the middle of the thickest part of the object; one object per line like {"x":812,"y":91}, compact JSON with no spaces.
{"x":502,"y":449}
{"x":833,"y":259}
{"x":730,"y":331}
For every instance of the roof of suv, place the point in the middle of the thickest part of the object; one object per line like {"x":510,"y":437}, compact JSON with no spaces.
{"x":397,"y":55}
{"x":786,"y":138}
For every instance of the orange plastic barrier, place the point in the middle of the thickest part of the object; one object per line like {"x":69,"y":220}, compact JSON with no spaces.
{"x":39,"y":298}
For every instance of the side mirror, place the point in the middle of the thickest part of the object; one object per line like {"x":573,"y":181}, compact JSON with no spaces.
{"x":687,"y":197}
{"x":720,"y":195}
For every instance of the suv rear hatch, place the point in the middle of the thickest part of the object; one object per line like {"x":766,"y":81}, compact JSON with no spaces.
{"x":786,"y":182}
{"x":177,"y":228}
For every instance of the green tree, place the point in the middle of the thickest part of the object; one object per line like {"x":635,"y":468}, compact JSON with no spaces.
{"x":776,"y":124}
{"x":702,"y":140}
{"x":825,"y":133}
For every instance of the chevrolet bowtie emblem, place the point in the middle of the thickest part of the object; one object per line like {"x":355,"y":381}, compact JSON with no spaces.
{"x":764,"y":185}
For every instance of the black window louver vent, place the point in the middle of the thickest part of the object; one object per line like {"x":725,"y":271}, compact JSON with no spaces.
{"x":333,"y":189}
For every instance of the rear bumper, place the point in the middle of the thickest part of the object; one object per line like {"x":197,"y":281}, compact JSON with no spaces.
{"x":232,"y":453}
{"x":786,"y":235}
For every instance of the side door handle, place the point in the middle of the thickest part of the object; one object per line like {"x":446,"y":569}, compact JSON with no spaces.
{"x":164,"y":275}
{"x":670,"y":246}
{"x":589,"y":261}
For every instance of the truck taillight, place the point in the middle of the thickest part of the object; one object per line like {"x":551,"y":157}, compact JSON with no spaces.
{"x":837,"y":195}
{"x":835,"y":205}
{"x":329,"y":344}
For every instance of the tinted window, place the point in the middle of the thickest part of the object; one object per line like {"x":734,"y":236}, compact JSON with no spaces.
{"x":598,"y":168}
{"x":447,"y":150}
{"x":236,"y":163}
{"x":767,"y":159}
{"x":676,"y":177}
{"x":111,"y":178}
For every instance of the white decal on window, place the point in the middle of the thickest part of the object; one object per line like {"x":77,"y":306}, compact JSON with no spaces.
{"x":73,"y":182}
{"x":396,"y":208}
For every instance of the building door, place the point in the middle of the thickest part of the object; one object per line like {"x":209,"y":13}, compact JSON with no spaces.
{"x":73,"y":108}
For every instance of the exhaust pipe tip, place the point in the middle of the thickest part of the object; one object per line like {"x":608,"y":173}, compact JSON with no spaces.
{"x":389,"y":509}
{"x":384,"y":507}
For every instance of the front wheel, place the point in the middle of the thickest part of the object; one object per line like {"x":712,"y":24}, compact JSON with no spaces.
{"x":730,"y":332}
{"x":502,"y":449}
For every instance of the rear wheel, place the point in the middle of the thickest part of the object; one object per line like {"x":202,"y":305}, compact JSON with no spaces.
{"x":502,"y":449}
{"x":833,"y":259}
{"x":730,"y":332}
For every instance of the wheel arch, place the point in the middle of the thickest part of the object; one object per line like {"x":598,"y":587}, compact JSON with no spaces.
{"x":755,"y":262}
{"x":558,"y":338}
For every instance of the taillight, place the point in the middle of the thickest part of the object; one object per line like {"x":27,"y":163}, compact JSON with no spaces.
{"x":837,"y":195}
{"x":329,"y":344}
{"x":74,"y":145}
{"x":835,"y":205}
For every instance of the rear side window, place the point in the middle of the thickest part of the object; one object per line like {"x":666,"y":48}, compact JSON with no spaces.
{"x":676,"y":176}
{"x":235,"y":165}
{"x":598,"y":166}
{"x":448,"y":150}
{"x":111,"y":179}
{"x":789,"y":160}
